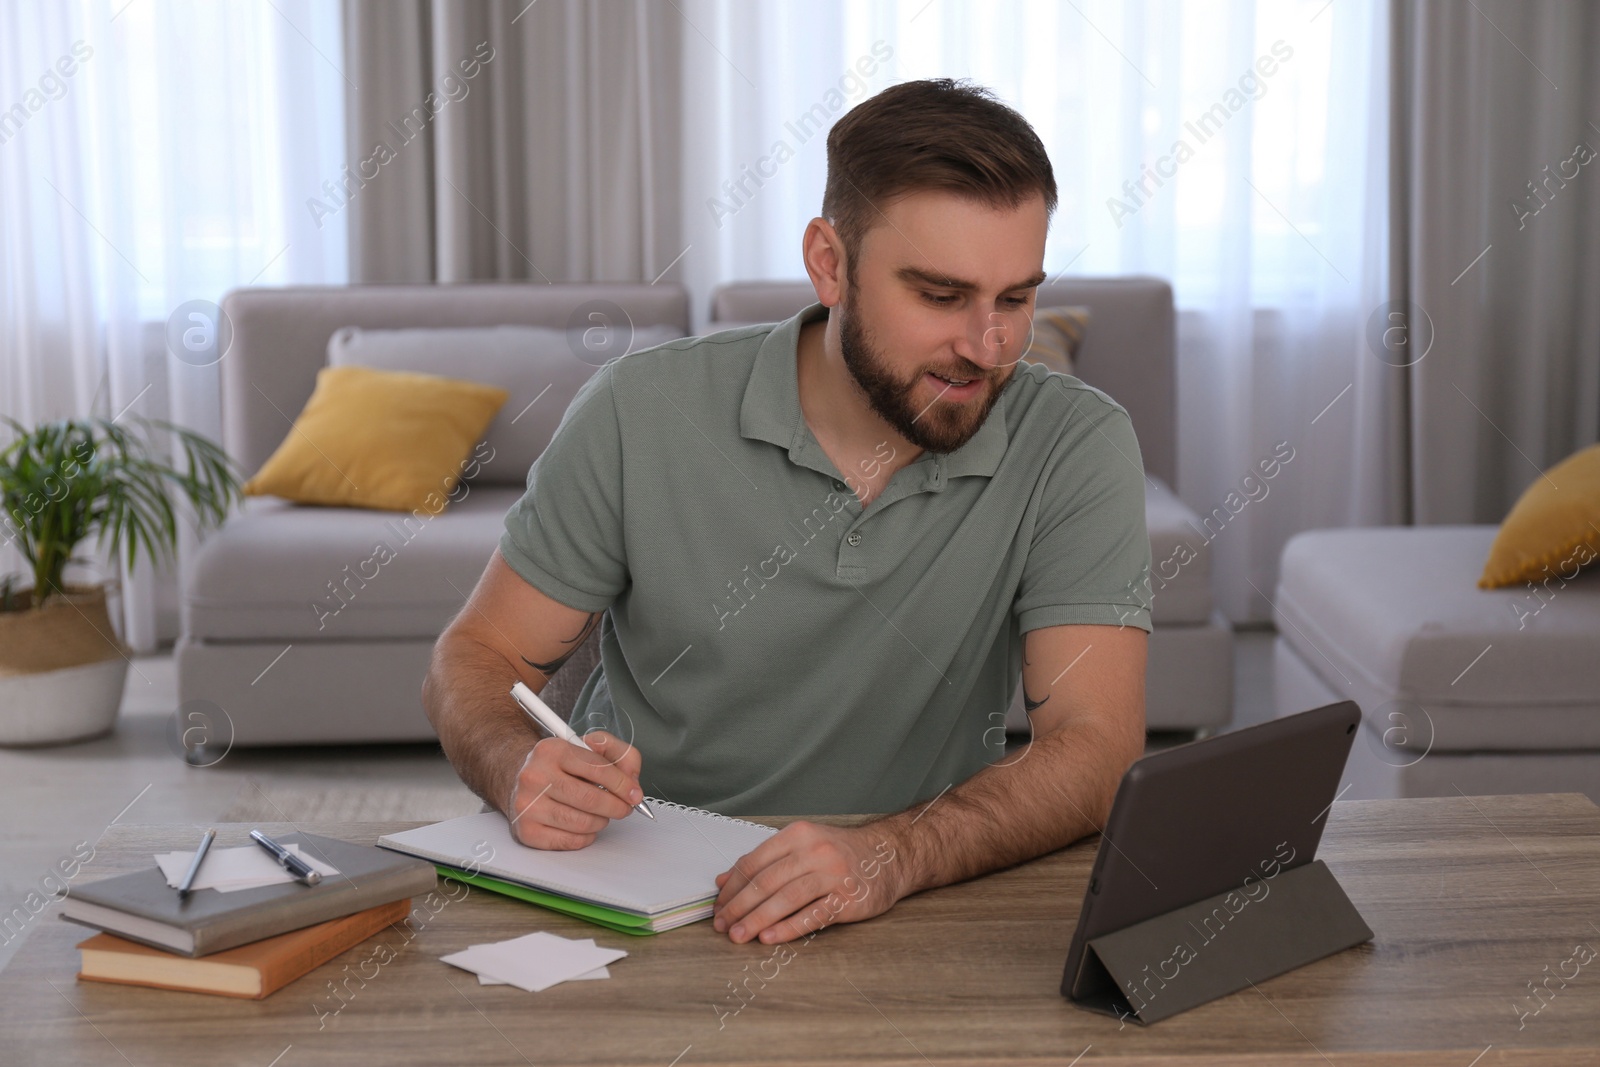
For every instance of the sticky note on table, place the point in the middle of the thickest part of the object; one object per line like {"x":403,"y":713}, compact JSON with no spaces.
{"x":597,"y":973}
{"x":535,"y":962}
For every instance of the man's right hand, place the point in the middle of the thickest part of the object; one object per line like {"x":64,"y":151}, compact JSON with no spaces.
{"x":554,"y":803}
{"x":510,"y":631}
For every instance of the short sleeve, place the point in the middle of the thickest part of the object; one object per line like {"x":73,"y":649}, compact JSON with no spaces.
{"x":1089,"y":561}
{"x":564,"y":535}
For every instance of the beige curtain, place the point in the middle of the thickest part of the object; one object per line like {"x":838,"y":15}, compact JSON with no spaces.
{"x":1496,"y":243}
{"x":513,"y":141}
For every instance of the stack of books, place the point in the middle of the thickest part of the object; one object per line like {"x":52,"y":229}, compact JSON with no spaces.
{"x":245,"y":943}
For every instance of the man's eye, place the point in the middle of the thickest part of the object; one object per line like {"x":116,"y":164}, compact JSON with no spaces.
{"x":941,"y":299}
{"x":1015,"y":301}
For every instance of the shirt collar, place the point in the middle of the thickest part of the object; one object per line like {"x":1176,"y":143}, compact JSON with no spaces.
{"x":771,"y":408}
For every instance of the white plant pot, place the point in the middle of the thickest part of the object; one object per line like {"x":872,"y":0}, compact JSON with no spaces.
{"x":70,"y":704}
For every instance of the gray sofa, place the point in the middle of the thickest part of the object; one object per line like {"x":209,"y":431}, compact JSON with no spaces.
{"x":252,"y":645}
{"x":259,"y":657}
{"x":1462,"y":690}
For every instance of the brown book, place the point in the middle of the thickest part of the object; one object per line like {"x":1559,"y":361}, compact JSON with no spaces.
{"x":250,"y":971}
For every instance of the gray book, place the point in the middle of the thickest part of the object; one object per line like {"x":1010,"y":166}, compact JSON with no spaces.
{"x":142,"y":907}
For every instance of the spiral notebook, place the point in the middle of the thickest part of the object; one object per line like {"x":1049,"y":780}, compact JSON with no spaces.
{"x":638,"y":876}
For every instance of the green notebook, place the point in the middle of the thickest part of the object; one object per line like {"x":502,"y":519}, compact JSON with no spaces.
{"x":621,"y":921}
{"x":639,"y":875}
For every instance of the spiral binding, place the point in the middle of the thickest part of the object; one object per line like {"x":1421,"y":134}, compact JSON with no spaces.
{"x":708,"y":814}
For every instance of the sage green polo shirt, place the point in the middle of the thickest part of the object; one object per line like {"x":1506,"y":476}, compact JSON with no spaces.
{"x":771,"y":647}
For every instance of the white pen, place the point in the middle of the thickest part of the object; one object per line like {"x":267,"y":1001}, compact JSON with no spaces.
{"x":555,"y":726}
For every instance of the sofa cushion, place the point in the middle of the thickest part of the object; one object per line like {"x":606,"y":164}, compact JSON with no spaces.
{"x":1395,"y":612}
{"x":1180,"y":561}
{"x":1057,"y":336}
{"x":390,"y":440}
{"x":541,"y":368}
{"x":282,"y":571}
{"x":1553,"y":529}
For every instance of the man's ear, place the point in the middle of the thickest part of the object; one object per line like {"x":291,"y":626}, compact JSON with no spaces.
{"x":823,"y":253}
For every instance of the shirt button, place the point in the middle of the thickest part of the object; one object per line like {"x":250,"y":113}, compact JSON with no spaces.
{"x":839,"y":486}
{"x":853,"y":540}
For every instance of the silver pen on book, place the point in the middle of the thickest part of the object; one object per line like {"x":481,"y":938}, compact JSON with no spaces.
{"x":287,"y":860}
{"x":194,"y":864}
{"x":554,"y":725}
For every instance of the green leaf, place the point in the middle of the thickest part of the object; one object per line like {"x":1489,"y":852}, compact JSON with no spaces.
{"x":70,"y":480}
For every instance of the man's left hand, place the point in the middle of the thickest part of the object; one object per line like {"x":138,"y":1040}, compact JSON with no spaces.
{"x":807,"y":876}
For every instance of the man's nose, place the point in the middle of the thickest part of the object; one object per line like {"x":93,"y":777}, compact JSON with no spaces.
{"x":987,"y":339}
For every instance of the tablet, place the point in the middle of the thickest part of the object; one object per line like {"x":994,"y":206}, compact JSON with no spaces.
{"x":1194,"y":821}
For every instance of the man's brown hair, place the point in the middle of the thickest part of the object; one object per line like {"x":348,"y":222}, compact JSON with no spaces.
{"x":930,"y":134}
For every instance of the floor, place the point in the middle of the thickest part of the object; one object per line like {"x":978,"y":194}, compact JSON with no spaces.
{"x":56,"y":798}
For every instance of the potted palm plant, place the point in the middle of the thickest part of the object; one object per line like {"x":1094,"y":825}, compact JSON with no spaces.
{"x":62,"y":665}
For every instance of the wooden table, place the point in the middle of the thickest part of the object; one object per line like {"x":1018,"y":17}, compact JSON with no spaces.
{"x":1470,"y":900}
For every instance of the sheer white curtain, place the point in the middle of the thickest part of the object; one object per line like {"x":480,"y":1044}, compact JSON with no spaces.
{"x":1236,"y":148}
{"x":152,"y":153}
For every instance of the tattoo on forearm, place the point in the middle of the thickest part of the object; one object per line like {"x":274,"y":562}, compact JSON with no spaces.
{"x":1028,"y":703}
{"x":574,"y":642}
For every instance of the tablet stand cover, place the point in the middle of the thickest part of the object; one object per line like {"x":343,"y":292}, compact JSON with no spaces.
{"x":1194,"y":954}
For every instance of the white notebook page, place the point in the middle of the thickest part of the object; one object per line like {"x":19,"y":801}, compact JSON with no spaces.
{"x":634,"y":864}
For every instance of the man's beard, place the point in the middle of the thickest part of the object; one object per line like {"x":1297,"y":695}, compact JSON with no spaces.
{"x":939,"y":426}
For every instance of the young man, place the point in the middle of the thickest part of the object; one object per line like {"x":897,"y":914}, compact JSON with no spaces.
{"x":821,"y":552}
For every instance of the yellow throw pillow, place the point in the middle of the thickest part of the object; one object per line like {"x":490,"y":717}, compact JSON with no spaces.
{"x":1554,"y":528}
{"x":380,"y":439}
{"x":1057,"y":336}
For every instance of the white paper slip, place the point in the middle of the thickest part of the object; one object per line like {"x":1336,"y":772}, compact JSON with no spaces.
{"x":597,"y":973}
{"x":534,"y":962}
{"x":228,"y":870}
